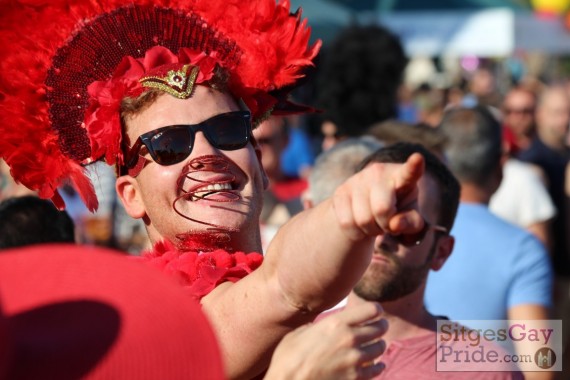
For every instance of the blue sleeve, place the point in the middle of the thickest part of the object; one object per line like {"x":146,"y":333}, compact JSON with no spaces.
{"x":532,"y":275}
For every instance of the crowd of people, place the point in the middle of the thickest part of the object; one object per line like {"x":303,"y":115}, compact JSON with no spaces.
{"x":167,"y":132}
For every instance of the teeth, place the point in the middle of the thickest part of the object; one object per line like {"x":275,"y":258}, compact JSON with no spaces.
{"x":216,"y":187}
{"x":203,"y":192}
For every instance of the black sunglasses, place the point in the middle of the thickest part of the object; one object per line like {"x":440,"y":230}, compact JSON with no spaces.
{"x":417,"y":238}
{"x":525,"y":110}
{"x":173,"y":144}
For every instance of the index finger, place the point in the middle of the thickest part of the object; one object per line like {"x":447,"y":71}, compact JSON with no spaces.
{"x":409,"y":175}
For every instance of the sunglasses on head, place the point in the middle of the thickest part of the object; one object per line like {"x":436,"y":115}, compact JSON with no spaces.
{"x":410,"y":240}
{"x":174,"y":143}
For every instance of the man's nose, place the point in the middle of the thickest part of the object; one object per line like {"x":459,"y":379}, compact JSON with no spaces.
{"x":385,"y":242}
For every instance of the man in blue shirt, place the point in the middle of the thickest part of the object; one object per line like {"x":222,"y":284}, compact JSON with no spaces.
{"x":497,"y":271}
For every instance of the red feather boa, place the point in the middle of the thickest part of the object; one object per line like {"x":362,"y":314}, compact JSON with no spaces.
{"x":200,"y":272}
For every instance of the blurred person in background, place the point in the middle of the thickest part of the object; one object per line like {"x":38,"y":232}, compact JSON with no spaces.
{"x":358,"y":82}
{"x":522,"y":197}
{"x":298,"y":157}
{"x":455,"y":95}
{"x":430,"y":103}
{"x":282,"y":199}
{"x":519,"y":106}
{"x":549,"y":151}
{"x":498,"y":271}
{"x":407,"y":109}
{"x":482,"y":89}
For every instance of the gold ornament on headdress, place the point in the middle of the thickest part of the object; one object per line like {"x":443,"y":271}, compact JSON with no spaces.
{"x":178,"y":83}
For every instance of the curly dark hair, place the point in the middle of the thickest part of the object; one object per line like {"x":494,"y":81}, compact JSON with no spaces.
{"x":359,"y":78}
{"x":30,"y":220}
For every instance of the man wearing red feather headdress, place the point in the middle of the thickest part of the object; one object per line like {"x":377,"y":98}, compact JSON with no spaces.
{"x":168,"y":92}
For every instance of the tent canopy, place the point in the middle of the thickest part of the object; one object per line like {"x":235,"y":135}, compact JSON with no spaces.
{"x":470,"y":29}
{"x":431,"y":5}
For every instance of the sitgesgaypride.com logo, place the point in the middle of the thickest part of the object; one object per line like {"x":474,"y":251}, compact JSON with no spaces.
{"x":499,"y":345}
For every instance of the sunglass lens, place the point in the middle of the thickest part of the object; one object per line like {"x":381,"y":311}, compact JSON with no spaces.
{"x":413,"y":239}
{"x":521,"y":111}
{"x":172,"y":145}
{"x":229,"y":132}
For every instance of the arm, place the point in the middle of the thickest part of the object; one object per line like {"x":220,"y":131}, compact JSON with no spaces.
{"x":530,"y":297}
{"x":336,"y":237}
{"x":344,"y":345}
{"x":542,"y":232}
{"x":312,"y":263}
{"x":532,"y":312}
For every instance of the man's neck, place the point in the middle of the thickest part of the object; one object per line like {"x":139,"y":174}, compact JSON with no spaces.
{"x":553,"y":142}
{"x":407,"y":317}
{"x":237,"y":241}
{"x":471,"y":193}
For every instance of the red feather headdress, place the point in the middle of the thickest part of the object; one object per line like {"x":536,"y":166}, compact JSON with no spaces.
{"x":66,"y":64}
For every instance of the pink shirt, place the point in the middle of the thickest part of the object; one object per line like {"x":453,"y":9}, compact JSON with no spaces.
{"x":415,"y":359}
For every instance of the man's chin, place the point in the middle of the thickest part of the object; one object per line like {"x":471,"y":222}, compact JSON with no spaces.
{"x":370,"y":290}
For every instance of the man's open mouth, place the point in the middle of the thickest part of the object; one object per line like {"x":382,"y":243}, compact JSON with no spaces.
{"x":208,"y":178}
{"x":209,"y":190}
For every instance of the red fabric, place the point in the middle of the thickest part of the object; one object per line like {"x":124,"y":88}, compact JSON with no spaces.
{"x":510,"y":140}
{"x":200,"y":272}
{"x":76,"y":312}
{"x":289,"y":189}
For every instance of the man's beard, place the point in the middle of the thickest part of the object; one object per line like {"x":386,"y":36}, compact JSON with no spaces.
{"x":382,"y":284}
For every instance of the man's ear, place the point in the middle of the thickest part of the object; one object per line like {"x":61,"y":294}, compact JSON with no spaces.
{"x":257,"y":150}
{"x":129,"y":194}
{"x":443,"y":251}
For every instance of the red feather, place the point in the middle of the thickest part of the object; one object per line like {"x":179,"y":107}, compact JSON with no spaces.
{"x":273,"y":42}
